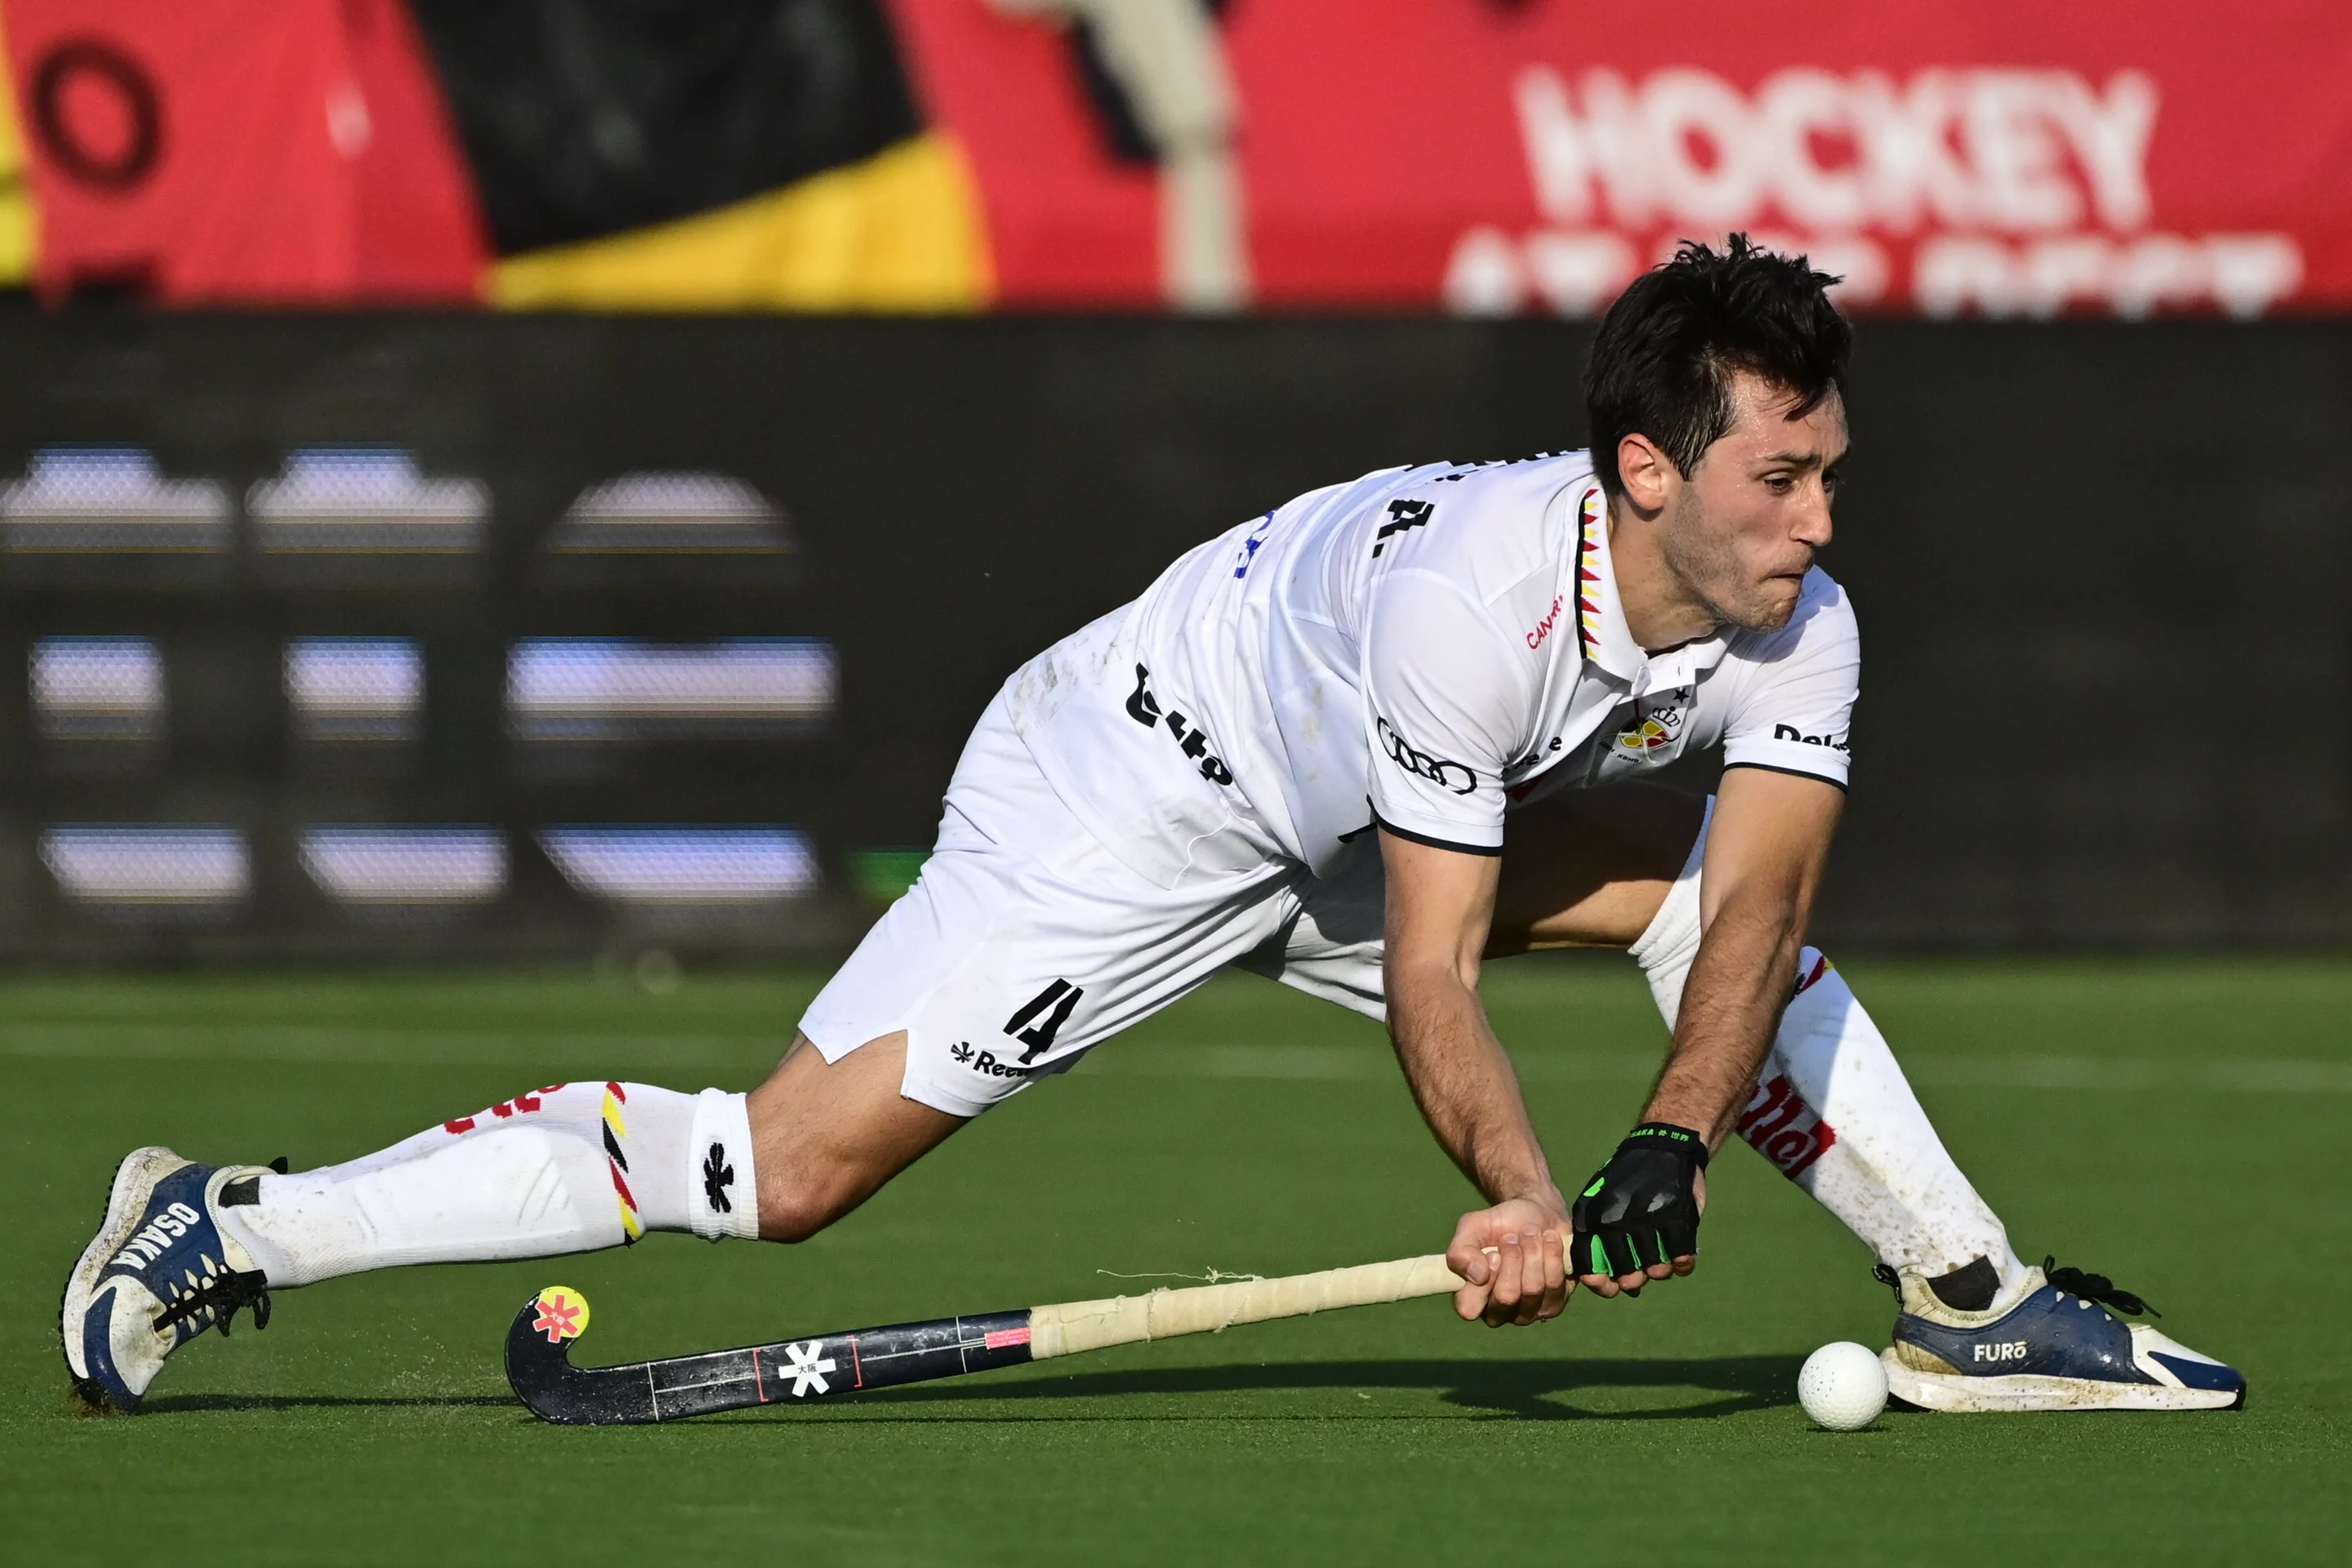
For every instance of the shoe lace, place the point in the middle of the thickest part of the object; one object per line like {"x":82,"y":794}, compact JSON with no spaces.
{"x":220,"y":1295}
{"x":2095,"y":1287}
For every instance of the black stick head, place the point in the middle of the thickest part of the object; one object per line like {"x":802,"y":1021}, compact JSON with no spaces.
{"x":540,"y":1369}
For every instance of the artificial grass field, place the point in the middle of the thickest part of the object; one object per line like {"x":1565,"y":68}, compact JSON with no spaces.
{"x":2179,"y":1126}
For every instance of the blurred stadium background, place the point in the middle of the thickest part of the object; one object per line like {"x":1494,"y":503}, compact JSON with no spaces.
{"x":554,"y":479}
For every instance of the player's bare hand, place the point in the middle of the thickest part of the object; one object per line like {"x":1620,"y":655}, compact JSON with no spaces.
{"x":1514,"y":1260}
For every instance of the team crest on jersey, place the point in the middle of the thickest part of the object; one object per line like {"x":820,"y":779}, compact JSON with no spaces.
{"x":1656,"y":727}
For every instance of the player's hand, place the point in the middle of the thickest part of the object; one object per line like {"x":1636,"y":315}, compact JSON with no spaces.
{"x":1514,"y":1258}
{"x":1637,"y":1219}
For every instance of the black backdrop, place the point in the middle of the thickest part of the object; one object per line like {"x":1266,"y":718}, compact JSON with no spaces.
{"x":2101,"y":569}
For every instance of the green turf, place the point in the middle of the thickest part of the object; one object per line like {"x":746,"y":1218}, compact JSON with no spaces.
{"x":2177,"y":1126}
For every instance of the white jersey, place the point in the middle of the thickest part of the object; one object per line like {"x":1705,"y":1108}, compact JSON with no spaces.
{"x":1425,"y":648}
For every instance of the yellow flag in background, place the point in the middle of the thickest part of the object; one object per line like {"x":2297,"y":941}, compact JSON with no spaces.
{"x":899,"y":231}
{"x":17,"y":228}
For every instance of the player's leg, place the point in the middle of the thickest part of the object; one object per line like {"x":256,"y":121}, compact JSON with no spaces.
{"x":1024,"y":943}
{"x":1618,"y":867}
{"x":1832,"y":1110}
{"x":567,"y":1168}
{"x":829,"y":1135}
{"x":564,"y":1168}
{"x":580,"y":1167}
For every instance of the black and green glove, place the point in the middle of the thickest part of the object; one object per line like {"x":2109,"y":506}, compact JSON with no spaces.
{"x":1642,"y":1208}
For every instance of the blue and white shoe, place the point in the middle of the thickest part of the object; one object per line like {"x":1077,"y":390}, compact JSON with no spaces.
{"x":2055,"y":1348}
{"x":158,"y":1273}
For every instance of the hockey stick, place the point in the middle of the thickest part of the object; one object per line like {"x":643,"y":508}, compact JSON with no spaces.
{"x":540,"y":1369}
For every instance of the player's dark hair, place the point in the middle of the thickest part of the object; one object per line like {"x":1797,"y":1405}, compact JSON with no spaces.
{"x":1662,"y":363}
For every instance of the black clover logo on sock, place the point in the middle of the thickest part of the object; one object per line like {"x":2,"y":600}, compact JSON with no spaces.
{"x":717,"y":1175}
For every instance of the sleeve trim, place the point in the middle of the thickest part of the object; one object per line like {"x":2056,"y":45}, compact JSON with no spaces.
{"x":1409,"y":837}
{"x":1837,"y":784}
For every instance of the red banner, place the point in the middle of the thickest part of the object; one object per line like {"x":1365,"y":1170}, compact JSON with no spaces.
{"x":240,"y":152}
{"x":1997,"y":157}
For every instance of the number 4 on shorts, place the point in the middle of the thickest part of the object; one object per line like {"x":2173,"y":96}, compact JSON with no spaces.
{"x":1061,"y":996}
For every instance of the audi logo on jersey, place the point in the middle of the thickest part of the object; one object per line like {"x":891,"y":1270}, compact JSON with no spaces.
{"x":1420,"y":764}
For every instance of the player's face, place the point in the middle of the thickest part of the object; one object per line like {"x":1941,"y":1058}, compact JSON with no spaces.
{"x":1741,"y":529}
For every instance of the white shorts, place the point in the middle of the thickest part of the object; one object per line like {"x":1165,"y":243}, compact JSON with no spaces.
{"x":1025,"y":942}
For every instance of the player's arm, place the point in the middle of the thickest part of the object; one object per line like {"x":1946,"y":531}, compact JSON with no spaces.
{"x":1767,"y":845}
{"x":1440,"y":903}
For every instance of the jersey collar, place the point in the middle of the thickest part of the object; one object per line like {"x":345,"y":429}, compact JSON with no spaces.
{"x":1602,"y":635}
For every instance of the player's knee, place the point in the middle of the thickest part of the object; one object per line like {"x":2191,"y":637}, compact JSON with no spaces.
{"x":796,"y":1205}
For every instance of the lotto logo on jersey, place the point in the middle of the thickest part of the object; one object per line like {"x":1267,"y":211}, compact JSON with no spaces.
{"x":1191,"y":738}
{"x":1784,"y":1129}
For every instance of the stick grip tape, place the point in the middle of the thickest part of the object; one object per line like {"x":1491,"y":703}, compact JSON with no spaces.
{"x":1075,"y":1326}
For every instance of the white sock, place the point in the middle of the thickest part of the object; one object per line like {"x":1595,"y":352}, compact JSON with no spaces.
{"x":570,"y":1168}
{"x":1832,"y":1111}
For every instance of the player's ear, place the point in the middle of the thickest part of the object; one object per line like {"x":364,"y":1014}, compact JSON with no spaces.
{"x":1645,"y":472}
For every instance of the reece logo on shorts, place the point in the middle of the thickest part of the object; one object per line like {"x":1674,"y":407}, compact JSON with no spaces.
{"x":1456,"y":776}
{"x":985,"y":1062}
{"x":1144,"y":709}
{"x":1039,"y":1020}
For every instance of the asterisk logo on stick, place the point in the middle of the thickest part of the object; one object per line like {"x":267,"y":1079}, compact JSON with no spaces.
{"x":559,"y":1316}
{"x":806,"y":1369}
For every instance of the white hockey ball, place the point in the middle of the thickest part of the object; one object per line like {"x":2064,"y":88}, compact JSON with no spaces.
{"x":1843,"y":1386}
